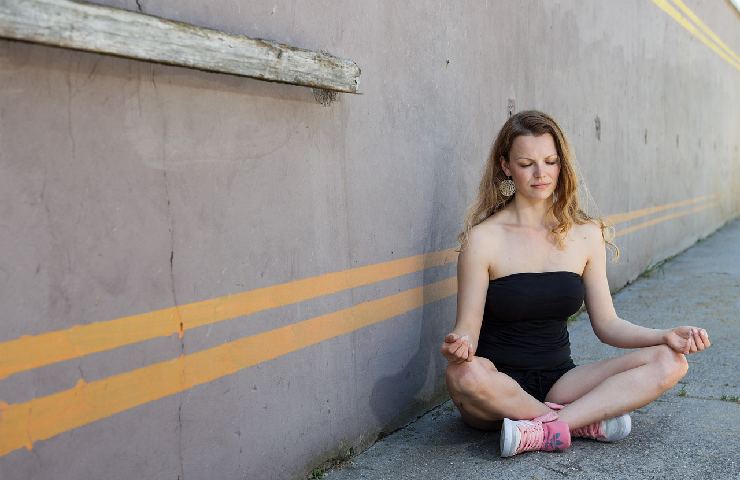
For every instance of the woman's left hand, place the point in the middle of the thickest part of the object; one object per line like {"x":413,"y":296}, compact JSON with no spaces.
{"x":687,"y":339}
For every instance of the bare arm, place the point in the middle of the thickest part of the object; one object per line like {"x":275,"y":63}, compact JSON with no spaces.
{"x":607,"y":325}
{"x":472,"y":286}
{"x":617,"y":332}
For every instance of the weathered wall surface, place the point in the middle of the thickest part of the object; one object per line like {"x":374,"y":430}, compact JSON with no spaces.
{"x":136,"y":196}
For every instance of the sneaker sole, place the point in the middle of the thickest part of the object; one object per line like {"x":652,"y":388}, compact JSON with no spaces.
{"x":510,"y":436}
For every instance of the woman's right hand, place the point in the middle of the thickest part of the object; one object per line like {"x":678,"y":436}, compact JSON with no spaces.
{"x":458,"y":349}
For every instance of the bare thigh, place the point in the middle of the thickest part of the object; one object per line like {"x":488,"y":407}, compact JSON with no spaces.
{"x":484,"y":396}
{"x":584,"y":378}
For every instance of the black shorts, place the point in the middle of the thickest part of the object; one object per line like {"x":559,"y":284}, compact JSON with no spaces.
{"x":537,"y":382}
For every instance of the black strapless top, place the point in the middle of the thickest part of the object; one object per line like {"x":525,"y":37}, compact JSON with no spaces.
{"x":524,"y":320}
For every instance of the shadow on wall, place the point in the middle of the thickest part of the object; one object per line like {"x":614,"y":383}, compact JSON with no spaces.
{"x":419,"y":385}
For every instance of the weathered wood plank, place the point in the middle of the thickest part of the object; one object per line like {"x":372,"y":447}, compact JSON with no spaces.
{"x":101,"y":29}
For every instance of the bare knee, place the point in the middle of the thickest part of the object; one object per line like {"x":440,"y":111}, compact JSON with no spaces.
{"x":467,"y":378}
{"x":673,"y":366}
{"x":461,"y":378}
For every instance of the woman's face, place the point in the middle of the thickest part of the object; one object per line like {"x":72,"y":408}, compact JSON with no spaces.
{"x":533,"y":165}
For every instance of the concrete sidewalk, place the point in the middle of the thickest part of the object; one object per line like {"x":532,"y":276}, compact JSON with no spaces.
{"x":692,"y":431}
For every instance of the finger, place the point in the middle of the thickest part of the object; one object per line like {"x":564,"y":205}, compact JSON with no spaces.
{"x":687,"y":346}
{"x":459,"y":347}
{"x":454,"y":345}
{"x":465,"y":341}
{"x":695,"y":338}
{"x":451,"y":337}
{"x":698,"y":340}
{"x":692,"y":345}
{"x":460,"y":355}
{"x":705,"y":336}
{"x":446,"y":351}
{"x":463,"y":355}
{"x":464,"y":349}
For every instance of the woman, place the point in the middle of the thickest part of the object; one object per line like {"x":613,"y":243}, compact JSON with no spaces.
{"x":529,"y":257}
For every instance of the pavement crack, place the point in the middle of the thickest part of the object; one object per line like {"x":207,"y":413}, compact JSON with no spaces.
{"x":555,"y":470}
{"x":714,"y":399}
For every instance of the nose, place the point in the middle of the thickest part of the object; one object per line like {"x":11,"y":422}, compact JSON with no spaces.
{"x":537,"y":170}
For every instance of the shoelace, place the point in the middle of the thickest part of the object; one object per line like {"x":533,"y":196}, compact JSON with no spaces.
{"x":532,"y":433}
{"x":593,"y":430}
{"x":590,"y":431}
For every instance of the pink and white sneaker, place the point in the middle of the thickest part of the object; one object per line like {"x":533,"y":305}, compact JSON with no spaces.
{"x":609,"y":430}
{"x":545,"y":433}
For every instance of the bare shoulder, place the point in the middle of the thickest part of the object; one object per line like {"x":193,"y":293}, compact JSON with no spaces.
{"x":589,"y":231}
{"x":491,"y":231}
{"x":589,"y":234}
{"x":483,"y":240}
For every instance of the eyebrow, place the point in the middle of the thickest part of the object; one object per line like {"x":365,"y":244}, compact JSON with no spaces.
{"x":527,"y":158}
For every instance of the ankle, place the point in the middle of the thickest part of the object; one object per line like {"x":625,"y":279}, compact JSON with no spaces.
{"x":557,"y":435}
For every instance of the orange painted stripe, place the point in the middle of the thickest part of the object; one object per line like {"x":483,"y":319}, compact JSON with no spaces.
{"x":30,"y":352}
{"x":617,"y":218}
{"x":664,"y":218}
{"x":42,"y":418}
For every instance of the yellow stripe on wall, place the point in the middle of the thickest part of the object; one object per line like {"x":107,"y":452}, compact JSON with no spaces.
{"x":30,"y":352}
{"x":707,"y":31}
{"x":616,"y":218}
{"x":42,"y":418}
{"x":23,"y":424}
{"x":664,"y":218}
{"x":676,"y":15}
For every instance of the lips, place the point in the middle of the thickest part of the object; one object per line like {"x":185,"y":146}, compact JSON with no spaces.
{"x":540,"y":185}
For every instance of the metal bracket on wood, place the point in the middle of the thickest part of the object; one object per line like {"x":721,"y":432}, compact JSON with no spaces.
{"x":101,"y":29}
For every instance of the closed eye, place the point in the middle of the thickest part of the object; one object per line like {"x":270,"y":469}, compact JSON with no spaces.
{"x":525,"y":165}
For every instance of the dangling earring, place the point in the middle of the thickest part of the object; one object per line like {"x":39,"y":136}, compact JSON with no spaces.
{"x":507,"y":187}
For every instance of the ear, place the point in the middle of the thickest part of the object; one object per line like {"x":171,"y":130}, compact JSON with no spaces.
{"x":505,"y":165}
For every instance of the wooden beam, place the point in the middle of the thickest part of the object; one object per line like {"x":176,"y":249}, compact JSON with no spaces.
{"x":96,"y":28}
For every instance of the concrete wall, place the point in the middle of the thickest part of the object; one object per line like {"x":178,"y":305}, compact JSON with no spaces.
{"x":128,"y":188}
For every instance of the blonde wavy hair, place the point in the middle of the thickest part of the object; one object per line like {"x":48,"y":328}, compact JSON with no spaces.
{"x":565,"y":207}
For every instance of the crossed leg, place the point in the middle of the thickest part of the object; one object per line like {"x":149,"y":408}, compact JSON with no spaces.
{"x":484,"y":396}
{"x":592,"y":392}
{"x":619,"y":385}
